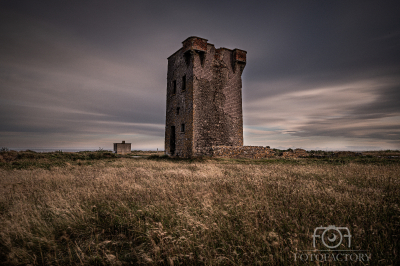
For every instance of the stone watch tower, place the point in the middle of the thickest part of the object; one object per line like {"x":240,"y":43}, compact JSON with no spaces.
{"x":204,"y":98}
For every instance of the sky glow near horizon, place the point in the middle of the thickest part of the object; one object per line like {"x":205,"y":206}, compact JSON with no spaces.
{"x":86,"y":74}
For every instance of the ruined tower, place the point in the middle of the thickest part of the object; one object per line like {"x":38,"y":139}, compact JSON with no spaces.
{"x":204,"y":98}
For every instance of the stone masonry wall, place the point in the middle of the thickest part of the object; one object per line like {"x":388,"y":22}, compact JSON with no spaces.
{"x":253,"y":152}
{"x":182,"y":99}
{"x":218,"y":119}
{"x":297,"y":153}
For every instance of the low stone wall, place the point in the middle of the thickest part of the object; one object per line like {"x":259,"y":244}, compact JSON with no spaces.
{"x":297,"y":153}
{"x":253,"y":152}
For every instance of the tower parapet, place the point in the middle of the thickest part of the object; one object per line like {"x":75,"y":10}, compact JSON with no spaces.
{"x":239,"y":55}
{"x":195,"y":44}
{"x":238,"y":59}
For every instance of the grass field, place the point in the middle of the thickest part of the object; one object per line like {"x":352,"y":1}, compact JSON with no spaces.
{"x":101,"y":209}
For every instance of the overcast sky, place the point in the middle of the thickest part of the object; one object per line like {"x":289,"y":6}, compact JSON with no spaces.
{"x":84,"y":74}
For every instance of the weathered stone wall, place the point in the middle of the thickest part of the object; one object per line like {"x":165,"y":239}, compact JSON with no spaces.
{"x":253,"y":152}
{"x":218,"y":119}
{"x":178,"y":68}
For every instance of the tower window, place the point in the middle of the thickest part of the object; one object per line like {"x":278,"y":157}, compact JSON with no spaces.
{"x":177,"y":110}
{"x":183,"y":128}
{"x":174,"y":87}
{"x":184,"y":83}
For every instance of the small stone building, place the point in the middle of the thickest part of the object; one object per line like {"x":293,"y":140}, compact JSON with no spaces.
{"x":122,"y":148}
{"x":204,"y":98}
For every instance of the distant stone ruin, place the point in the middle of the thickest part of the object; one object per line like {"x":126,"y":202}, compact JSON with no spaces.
{"x":122,"y":148}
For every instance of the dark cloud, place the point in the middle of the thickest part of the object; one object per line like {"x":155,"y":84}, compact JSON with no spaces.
{"x":378,"y":119}
{"x":347,"y":128}
{"x":93,"y":71}
{"x":385,"y":105}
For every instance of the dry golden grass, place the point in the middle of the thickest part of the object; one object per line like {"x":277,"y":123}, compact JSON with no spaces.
{"x":211,"y":212}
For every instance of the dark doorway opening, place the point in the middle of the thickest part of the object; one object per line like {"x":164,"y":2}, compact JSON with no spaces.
{"x":172,"y":141}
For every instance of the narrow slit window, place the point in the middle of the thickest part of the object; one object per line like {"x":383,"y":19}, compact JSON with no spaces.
{"x":183,"y":128}
{"x":174,"y":87}
{"x":177,"y":110}
{"x":184,"y":83}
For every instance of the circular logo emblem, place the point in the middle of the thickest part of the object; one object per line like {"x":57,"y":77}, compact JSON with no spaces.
{"x":332,"y":237}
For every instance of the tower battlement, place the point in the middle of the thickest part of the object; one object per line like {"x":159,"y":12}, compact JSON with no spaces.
{"x":204,"y":98}
{"x":195,"y":44}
